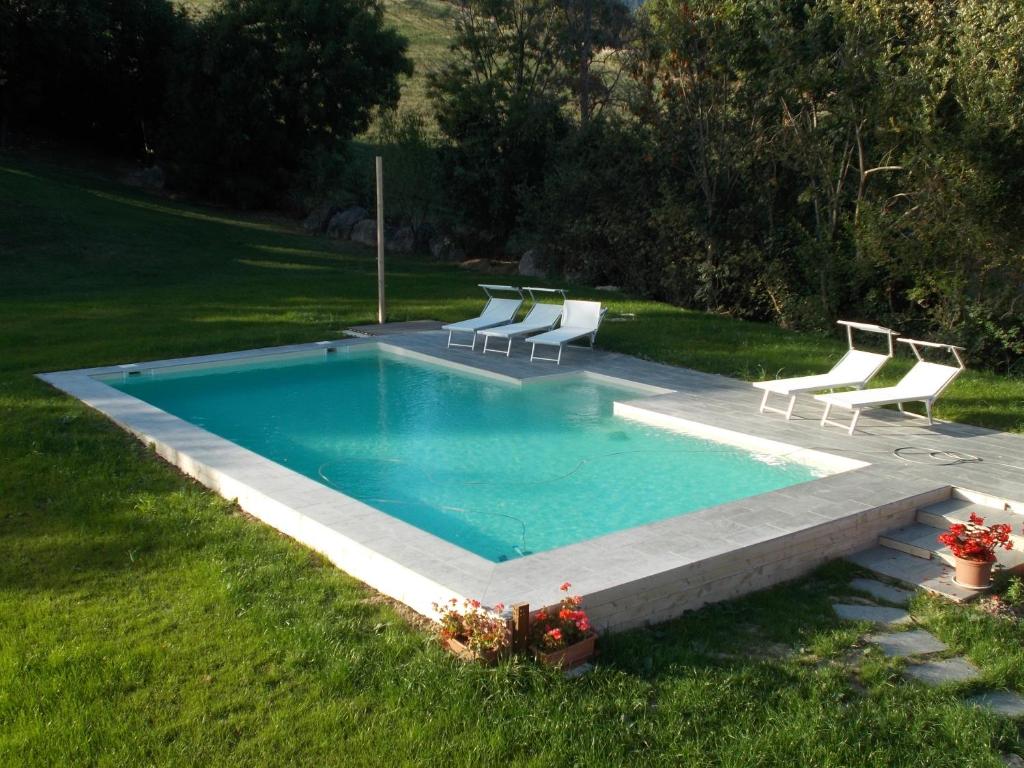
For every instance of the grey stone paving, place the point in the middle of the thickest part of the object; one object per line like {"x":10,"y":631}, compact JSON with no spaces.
{"x":1008,"y":703}
{"x":912,"y":643}
{"x":956,"y":670}
{"x":881,"y":591}
{"x":874,"y":613}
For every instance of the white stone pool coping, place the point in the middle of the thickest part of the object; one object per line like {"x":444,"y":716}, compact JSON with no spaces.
{"x":648,"y":573}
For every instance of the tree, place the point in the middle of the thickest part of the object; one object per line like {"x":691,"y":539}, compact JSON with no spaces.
{"x":264,"y":86}
{"x":498,"y":101}
{"x":501,"y":99}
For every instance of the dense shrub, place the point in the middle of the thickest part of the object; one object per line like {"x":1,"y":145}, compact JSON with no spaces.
{"x":804,"y":162}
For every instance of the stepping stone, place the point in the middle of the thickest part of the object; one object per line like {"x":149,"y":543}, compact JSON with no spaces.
{"x":873,"y":613}
{"x":578,"y":671}
{"x":899,"y":644}
{"x":1005,"y":703}
{"x":882,"y":591}
{"x":1013,"y":761}
{"x":957,"y":670}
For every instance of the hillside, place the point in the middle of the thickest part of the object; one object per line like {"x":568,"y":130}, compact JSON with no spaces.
{"x":426,"y":24}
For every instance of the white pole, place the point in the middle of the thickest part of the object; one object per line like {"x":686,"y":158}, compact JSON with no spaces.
{"x":382,"y":310}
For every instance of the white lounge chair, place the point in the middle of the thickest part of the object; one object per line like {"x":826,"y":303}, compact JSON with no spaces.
{"x":541,"y":317}
{"x":496,"y":312}
{"x":580,"y":319}
{"x":924,"y":382}
{"x":855,"y":369}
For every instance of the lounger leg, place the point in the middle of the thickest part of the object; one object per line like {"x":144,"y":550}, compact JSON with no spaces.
{"x":824,"y":416}
{"x":853,"y":423}
{"x":789,"y":411}
{"x":533,"y":351}
{"x":472,"y":347}
{"x":486,"y":339}
{"x":928,"y":408}
{"x":764,"y":401}
{"x":509,"y":350}
{"x":450,"y":339}
{"x":559,"y":360}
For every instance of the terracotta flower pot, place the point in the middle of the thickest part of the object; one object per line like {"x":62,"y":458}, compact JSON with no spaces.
{"x":465,"y":653}
{"x":570,"y":656}
{"x":973,"y":574}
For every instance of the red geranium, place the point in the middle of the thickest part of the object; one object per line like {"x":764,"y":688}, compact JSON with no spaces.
{"x":974,"y":540}
{"x":568,"y":626}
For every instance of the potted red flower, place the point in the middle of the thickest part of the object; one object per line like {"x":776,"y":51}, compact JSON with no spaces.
{"x":563,"y":637}
{"x":474,"y":633}
{"x":974,"y":545}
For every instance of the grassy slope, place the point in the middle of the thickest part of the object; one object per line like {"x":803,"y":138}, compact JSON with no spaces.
{"x":425,"y":23}
{"x":142,"y":620}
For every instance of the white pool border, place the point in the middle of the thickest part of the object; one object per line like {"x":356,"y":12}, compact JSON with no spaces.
{"x":629,"y":577}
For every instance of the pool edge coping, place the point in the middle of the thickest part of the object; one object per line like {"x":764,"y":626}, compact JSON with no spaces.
{"x":417,"y":551}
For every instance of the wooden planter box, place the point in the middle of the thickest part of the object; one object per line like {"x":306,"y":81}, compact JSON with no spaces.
{"x":570,"y":656}
{"x":465,"y":653}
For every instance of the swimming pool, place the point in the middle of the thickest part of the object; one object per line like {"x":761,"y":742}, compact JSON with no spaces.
{"x":501,"y":469}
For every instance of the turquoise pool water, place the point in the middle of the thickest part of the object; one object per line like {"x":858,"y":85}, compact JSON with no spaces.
{"x":498,"y":469}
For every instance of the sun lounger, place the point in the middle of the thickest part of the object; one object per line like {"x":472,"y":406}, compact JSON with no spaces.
{"x":580,"y":319}
{"x":855,"y":369}
{"x":497,"y":311}
{"x":540,"y":318}
{"x":924,"y":382}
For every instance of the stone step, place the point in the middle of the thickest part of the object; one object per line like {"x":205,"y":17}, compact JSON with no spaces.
{"x":931,"y":575}
{"x":921,"y":540}
{"x":956,"y":510}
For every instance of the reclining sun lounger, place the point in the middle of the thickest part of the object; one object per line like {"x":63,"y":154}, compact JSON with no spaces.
{"x":924,"y":382}
{"x":855,"y":369}
{"x":496,"y":312}
{"x":541,"y":317}
{"x":580,"y":319}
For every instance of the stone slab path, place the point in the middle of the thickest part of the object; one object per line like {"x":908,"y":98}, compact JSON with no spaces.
{"x":917,"y":644}
{"x":881,"y":591}
{"x":941,"y":671}
{"x":876,"y":614}
{"x":1005,"y":703}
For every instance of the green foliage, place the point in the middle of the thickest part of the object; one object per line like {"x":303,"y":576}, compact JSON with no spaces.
{"x":266,"y":87}
{"x":498,"y":101}
{"x":412,"y":164}
{"x":843,"y":158}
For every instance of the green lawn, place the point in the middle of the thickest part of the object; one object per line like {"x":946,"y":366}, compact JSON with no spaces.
{"x":144,"y":620}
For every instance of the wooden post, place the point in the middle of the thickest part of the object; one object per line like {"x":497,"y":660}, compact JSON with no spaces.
{"x":382,"y":309}
{"x":520,"y":626}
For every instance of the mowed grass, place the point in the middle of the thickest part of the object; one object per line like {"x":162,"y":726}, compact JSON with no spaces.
{"x":144,"y":620}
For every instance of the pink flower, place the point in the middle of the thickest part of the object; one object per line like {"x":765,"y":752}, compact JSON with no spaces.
{"x":565,"y":586}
